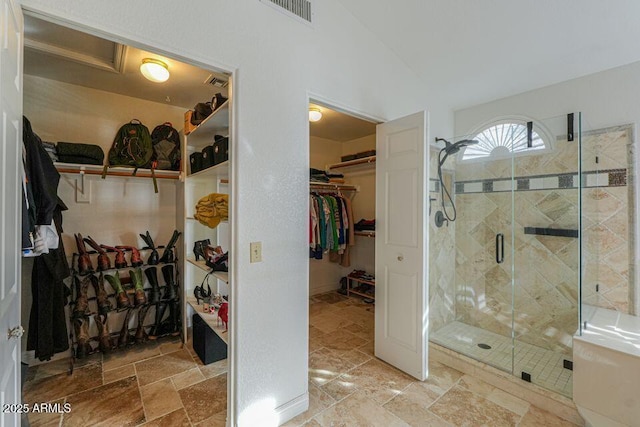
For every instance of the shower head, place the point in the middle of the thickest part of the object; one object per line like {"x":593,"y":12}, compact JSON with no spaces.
{"x":450,"y":148}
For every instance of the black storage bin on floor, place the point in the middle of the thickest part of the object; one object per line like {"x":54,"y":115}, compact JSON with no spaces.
{"x":207,"y":344}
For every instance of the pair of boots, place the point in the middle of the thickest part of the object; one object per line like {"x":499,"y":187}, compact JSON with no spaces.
{"x":170,"y":292}
{"x":81,"y":328}
{"x":81,"y":307}
{"x":122,"y":298}
{"x":140,"y":336}
{"x":170,"y":299}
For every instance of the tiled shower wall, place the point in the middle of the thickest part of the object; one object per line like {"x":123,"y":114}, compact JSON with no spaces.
{"x":442,"y":257}
{"x":546,"y":267}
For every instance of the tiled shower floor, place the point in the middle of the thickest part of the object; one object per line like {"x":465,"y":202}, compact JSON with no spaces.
{"x":545,"y":366}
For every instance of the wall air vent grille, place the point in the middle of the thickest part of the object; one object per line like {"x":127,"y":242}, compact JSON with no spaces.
{"x":300,"y":8}
{"x":216,"y":81}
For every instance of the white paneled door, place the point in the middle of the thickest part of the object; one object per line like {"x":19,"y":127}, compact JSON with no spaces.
{"x":10,"y":203}
{"x":401,"y":242}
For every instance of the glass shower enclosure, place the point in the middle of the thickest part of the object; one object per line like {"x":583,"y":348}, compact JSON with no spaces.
{"x":505,"y":246}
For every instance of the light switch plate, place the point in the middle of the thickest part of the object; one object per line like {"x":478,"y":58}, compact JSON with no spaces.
{"x":256,"y":251}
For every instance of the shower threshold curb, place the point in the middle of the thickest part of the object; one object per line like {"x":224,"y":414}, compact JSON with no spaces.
{"x":550,"y":401}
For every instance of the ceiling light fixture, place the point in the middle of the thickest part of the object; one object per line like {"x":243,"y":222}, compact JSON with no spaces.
{"x":314,"y":114}
{"x":154,"y":70}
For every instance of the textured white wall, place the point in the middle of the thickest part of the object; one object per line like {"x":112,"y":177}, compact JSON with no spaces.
{"x":280,"y":62}
{"x":65,"y":112}
{"x":605,"y":99}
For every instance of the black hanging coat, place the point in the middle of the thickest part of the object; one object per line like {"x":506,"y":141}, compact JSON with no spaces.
{"x":47,"y":333}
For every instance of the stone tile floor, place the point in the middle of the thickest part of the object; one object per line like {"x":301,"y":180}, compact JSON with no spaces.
{"x":156,"y":384}
{"x":163,"y":384}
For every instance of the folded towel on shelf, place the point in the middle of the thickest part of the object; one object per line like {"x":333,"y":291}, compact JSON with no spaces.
{"x":365,"y":225}
{"x":318,"y":175}
{"x":71,"y":152}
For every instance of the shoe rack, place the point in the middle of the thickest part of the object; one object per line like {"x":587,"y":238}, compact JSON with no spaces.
{"x":213,"y":179}
{"x":131,"y":314}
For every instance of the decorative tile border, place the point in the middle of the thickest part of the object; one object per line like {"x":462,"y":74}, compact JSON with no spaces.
{"x":434,"y":185}
{"x":590,"y":179}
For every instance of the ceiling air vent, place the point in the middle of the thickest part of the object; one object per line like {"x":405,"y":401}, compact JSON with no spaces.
{"x":301,"y":9}
{"x":216,"y":81}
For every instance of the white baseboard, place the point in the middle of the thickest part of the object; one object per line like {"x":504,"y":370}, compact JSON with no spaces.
{"x":323,"y":288}
{"x":292,"y":408}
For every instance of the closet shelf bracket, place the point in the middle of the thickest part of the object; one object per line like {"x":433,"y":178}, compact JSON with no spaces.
{"x":83,"y":188}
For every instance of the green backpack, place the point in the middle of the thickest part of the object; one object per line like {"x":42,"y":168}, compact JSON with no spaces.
{"x":132,"y":146}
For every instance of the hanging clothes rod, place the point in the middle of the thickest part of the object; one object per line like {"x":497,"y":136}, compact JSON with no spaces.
{"x":332,"y":187}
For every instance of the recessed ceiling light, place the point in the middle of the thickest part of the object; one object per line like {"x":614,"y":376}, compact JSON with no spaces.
{"x":154,"y":70}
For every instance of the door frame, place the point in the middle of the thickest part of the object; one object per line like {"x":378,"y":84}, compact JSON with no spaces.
{"x":150,"y":45}
{"x":313,"y":97}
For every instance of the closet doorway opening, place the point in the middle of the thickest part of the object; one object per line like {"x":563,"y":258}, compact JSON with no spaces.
{"x":342,"y":206}
{"x":81,"y":88}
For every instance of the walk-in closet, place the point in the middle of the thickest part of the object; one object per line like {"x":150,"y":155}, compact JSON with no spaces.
{"x":342,"y":187}
{"x":126,"y":294}
{"x":342,"y":206}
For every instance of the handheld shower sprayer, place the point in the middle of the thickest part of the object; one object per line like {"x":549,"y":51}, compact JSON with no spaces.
{"x":448,"y":150}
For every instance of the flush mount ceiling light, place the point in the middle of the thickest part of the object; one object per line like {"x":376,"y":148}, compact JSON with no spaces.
{"x":154,"y":70}
{"x":314,"y":114}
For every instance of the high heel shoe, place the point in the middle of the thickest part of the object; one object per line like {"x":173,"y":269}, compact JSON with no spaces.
{"x":218,"y":261}
{"x":200,"y":293}
{"x":223,"y":314}
{"x":198,"y":248}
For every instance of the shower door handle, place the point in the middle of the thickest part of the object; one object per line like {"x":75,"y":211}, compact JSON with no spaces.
{"x":499,"y":248}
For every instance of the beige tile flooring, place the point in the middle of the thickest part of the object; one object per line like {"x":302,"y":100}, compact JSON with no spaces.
{"x":348,"y":386}
{"x":155,"y":384}
{"x":162,"y":384}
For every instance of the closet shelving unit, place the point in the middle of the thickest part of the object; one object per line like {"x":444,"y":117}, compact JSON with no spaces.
{"x":351,"y":289}
{"x":364,"y":163}
{"x":214,"y":179}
